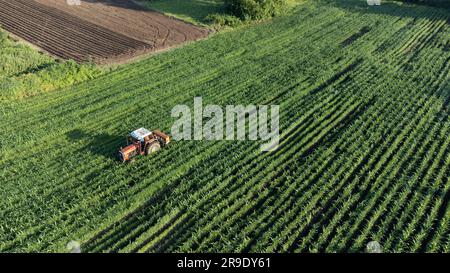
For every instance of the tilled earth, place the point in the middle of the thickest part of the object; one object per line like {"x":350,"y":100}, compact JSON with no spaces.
{"x":102,"y":31}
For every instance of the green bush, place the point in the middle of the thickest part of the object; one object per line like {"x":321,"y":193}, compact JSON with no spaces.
{"x":255,"y":9}
{"x":58,"y":75}
{"x":223,"y":20}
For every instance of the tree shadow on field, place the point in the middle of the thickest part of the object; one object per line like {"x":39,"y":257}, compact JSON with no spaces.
{"x":397,"y":9}
{"x":127,"y":4}
{"x":197,"y":9}
{"x":102,"y":144}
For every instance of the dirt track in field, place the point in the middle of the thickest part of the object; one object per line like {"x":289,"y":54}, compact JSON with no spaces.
{"x":102,"y":31}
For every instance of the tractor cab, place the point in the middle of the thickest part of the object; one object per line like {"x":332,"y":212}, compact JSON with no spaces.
{"x":143,"y":142}
{"x":139,"y":137}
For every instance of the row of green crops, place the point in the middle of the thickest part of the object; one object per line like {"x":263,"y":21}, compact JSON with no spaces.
{"x":436,"y":3}
{"x":364,"y":151}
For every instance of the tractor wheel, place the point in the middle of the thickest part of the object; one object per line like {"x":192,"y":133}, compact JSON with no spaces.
{"x":152,"y":148}
{"x":121,"y":157}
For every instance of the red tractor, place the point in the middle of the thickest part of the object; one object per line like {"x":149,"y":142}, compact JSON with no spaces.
{"x":143,"y":142}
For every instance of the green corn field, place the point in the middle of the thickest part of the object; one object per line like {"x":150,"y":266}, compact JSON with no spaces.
{"x":364,"y":149}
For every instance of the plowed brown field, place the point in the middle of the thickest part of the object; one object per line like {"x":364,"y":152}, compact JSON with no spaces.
{"x":101,"y":31}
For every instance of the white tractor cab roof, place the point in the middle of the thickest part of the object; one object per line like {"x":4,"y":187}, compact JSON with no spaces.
{"x":140,"y":134}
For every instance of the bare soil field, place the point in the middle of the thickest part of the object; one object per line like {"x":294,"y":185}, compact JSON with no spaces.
{"x":101,"y":31}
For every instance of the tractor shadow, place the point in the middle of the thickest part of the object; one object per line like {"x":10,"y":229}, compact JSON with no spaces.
{"x":102,"y":144}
